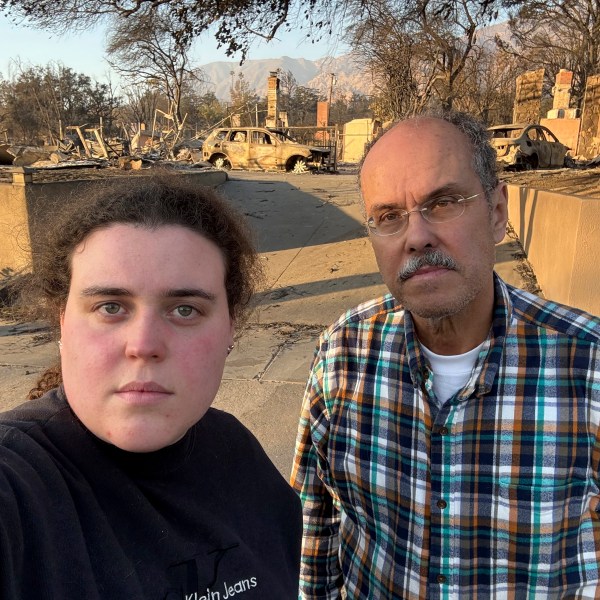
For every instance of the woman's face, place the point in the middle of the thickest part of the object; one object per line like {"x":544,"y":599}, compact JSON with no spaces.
{"x":144,"y":333}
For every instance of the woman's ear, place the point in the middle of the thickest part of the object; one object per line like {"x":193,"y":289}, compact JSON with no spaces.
{"x":231,"y":331}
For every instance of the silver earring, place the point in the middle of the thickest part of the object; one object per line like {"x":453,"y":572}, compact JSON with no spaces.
{"x":229,"y":349}
{"x":59,"y":345}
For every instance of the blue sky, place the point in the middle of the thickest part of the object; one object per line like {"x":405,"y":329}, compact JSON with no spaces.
{"x":84,"y":51}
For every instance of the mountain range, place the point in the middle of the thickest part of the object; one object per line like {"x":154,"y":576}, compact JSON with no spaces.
{"x":310,"y":73}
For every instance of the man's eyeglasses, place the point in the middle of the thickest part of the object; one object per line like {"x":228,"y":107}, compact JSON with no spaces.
{"x":436,"y":210}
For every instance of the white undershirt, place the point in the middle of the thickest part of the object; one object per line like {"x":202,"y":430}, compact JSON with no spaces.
{"x":450,"y":373}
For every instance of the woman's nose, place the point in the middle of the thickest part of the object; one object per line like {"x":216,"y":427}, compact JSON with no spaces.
{"x":146,"y":337}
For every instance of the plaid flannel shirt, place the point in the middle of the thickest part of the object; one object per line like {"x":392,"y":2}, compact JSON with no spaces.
{"x":494,"y":495}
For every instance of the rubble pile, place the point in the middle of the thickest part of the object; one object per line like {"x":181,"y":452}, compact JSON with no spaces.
{"x":84,"y":146}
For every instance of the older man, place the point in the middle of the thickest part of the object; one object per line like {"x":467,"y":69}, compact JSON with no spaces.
{"x":449,"y":441}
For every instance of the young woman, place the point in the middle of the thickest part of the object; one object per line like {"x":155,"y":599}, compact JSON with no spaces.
{"x":120,"y":482}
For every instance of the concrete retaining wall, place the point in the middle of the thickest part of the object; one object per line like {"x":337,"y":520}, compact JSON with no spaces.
{"x":14,"y":230}
{"x":561,"y":236}
{"x":28,"y":207}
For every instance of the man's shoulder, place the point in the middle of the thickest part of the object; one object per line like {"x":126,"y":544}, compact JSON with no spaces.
{"x":367,"y":313}
{"x":553,"y":316}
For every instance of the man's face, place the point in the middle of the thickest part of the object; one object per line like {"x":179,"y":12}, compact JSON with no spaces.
{"x":144,"y":333}
{"x":415,"y":162}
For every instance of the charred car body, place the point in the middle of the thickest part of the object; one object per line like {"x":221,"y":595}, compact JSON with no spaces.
{"x":527,"y":146}
{"x":258,"y":148}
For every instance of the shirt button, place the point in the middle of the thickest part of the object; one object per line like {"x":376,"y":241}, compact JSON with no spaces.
{"x":442,"y":504}
{"x":443,"y":431}
{"x":441,"y":579}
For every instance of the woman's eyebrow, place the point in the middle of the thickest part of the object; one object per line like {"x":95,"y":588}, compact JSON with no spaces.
{"x":190,"y":292}
{"x":97,"y":290}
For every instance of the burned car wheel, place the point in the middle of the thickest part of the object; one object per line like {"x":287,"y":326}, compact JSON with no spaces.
{"x":300,"y":166}
{"x":221,"y":162}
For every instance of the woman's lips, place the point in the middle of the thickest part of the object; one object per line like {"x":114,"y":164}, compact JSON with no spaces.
{"x":143,"y":392}
{"x":142,"y":386}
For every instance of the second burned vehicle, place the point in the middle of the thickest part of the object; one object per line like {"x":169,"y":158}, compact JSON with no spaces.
{"x":261,"y":149}
{"x":527,"y":147}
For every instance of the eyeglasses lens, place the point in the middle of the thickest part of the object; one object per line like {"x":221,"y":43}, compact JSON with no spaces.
{"x":437,"y":210}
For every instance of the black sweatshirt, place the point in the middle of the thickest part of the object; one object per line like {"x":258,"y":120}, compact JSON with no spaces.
{"x":208,"y":518}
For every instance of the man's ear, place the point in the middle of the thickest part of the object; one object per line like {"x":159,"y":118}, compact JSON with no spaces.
{"x":499,"y":212}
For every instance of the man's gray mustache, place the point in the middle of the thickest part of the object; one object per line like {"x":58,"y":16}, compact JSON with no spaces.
{"x":435,"y":258}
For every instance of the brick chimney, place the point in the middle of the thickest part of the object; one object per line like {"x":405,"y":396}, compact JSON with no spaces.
{"x":272,"y":97}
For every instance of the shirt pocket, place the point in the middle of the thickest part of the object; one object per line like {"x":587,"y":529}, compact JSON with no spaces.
{"x":542,"y":518}
{"x":537,"y":503}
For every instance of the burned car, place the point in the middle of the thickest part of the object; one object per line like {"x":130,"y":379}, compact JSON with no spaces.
{"x":527,"y":147}
{"x":259,"y":148}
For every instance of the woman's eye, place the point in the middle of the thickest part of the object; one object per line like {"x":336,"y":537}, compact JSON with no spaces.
{"x":110,"y":308}
{"x":185,"y":311}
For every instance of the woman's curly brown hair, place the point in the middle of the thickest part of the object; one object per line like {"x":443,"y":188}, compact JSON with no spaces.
{"x":149,"y":202}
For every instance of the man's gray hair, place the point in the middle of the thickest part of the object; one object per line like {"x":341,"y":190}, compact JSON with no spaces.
{"x":484,"y":155}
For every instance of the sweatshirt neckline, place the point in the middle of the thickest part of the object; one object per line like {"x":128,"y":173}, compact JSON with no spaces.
{"x":144,"y":464}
